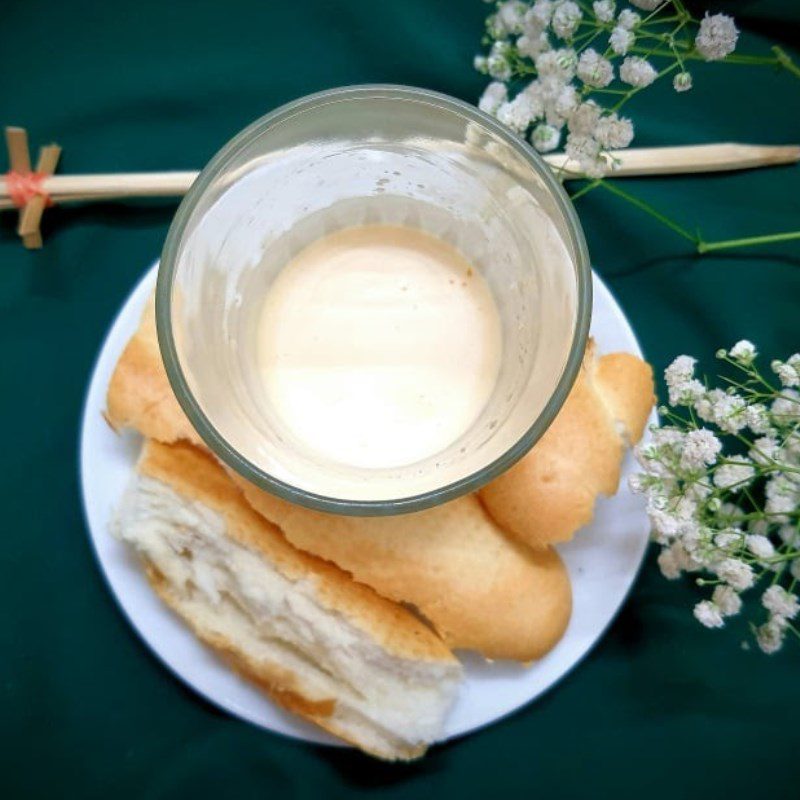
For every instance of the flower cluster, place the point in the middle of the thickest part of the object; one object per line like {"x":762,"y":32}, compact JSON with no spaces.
{"x":722,"y":482}
{"x":571,"y":55}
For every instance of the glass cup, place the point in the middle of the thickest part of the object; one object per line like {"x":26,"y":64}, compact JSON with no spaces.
{"x":355,"y":156}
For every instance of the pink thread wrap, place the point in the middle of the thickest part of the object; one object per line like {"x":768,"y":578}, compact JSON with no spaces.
{"x":23,"y":187}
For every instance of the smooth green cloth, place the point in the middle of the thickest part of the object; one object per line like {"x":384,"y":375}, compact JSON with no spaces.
{"x":661,"y":707}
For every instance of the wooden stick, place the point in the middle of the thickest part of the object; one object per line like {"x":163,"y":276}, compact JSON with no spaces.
{"x":31,"y":216}
{"x":17,"y":143}
{"x":688,"y":159}
{"x":631,"y":162}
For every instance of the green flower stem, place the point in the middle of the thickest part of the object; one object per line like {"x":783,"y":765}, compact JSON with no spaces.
{"x":584,"y":190}
{"x":749,"y":241}
{"x":637,"y":89}
{"x":785,"y":60}
{"x":648,"y":209}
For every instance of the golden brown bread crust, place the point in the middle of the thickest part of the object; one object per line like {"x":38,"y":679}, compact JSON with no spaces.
{"x":139,"y":393}
{"x":477,"y":587}
{"x":196,"y":475}
{"x":626,"y":384}
{"x":550,"y":493}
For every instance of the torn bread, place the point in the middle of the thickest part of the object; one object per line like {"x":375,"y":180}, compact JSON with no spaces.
{"x":550,"y":493}
{"x":320,"y":644}
{"x":479,"y":589}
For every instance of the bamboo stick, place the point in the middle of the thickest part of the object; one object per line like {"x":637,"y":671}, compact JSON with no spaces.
{"x":631,"y":162}
{"x":688,"y":159}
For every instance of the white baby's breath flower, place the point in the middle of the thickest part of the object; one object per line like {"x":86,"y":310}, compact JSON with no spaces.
{"x":788,"y":371}
{"x":785,"y":409}
{"x":495,"y":27}
{"x":764,"y":450}
{"x":727,"y":540}
{"x":744,"y":352}
{"x":770,"y":636}
{"x":669,"y":564}
{"x":757,"y":418}
{"x":674,"y":560}
{"x":780,"y":602}
{"x":621,"y":40}
{"x":682,"y":82}
{"x":498,"y":67}
{"x":566,"y":18}
{"x":707,"y":613}
{"x":783,"y":497}
{"x":594,"y":70}
{"x":564,"y":103}
{"x":541,"y":12}
{"x":518,"y":113}
{"x":501,"y":48}
{"x":511,"y":15}
{"x":604,"y":10}
{"x":736,"y":573}
{"x":559,"y":64}
{"x":613,"y":131}
{"x":734,"y":476}
{"x":723,"y":409}
{"x":480,"y":64}
{"x":700,"y":448}
{"x":586,"y":151}
{"x":545,"y":138}
{"x":647,"y":5}
{"x":790,"y":535}
{"x":628,"y":19}
{"x":637,"y":72}
{"x":583,"y":119}
{"x":727,"y":600}
{"x":759,"y":545}
{"x":532,"y":44}
{"x":716,"y":37}
{"x":683,"y":388}
{"x":494,"y":95}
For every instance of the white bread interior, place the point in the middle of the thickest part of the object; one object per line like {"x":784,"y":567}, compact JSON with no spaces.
{"x":321,"y":645}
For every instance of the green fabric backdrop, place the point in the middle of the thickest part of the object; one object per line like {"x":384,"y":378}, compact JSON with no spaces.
{"x":661,"y":708}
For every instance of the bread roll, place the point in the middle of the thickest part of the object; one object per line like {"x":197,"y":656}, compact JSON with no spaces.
{"x":478,"y":588}
{"x":550,"y":493}
{"x":320,"y":644}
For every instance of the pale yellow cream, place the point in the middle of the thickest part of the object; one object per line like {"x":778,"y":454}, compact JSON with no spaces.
{"x":378,"y":346}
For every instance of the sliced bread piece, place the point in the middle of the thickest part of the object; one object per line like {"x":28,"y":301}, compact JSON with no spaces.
{"x":320,"y":644}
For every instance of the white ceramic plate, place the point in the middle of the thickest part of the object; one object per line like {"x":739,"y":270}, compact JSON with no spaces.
{"x":603,"y":561}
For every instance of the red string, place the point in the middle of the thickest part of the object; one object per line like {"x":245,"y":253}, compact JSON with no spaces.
{"x":23,"y":187}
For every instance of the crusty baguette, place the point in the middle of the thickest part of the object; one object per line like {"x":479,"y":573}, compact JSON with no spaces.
{"x":477,"y":587}
{"x":320,"y":644}
{"x":550,"y":493}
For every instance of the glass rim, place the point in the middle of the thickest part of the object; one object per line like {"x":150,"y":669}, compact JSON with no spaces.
{"x":217,"y":443}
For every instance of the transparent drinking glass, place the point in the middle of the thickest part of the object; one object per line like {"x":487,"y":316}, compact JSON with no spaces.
{"x":354,"y":156}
